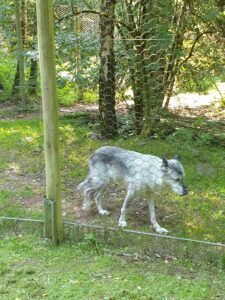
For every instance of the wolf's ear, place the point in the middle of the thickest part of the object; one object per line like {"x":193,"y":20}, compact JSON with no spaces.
{"x":165,"y":162}
{"x":177,"y":157}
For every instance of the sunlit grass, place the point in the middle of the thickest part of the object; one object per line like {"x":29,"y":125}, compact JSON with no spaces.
{"x":31,"y":269}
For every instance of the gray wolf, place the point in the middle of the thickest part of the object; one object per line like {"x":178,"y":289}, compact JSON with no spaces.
{"x":141,"y":173}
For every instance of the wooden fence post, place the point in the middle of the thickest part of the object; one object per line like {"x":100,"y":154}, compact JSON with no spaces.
{"x":52,"y":204}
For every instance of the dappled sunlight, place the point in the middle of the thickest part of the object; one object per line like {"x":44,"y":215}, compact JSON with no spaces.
{"x":21,"y":132}
{"x":194,"y":100}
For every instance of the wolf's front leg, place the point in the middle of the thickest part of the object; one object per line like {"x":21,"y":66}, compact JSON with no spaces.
{"x":122,"y":219}
{"x":155,"y":224}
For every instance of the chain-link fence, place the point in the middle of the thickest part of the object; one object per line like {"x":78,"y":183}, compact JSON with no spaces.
{"x":126,"y":60}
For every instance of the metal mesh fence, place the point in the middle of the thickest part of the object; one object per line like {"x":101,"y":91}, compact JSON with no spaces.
{"x":129,"y":243}
{"x":130,"y":57}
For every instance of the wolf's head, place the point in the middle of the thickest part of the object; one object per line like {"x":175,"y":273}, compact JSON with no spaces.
{"x":174,"y":174}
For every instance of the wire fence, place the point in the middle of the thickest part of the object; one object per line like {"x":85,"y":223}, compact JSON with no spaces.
{"x":136,"y":244}
{"x":140,"y":54}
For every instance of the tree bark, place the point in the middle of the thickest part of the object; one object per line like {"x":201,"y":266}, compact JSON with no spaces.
{"x":108,"y":122}
{"x":77,"y":27}
{"x":32,"y":82}
{"x":21,"y":56}
{"x":16,"y":82}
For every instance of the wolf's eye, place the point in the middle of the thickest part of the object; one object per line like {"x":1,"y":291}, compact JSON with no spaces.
{"x":177,"y":179}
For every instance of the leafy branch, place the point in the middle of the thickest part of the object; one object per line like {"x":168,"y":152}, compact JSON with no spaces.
{"x":193,"y":46}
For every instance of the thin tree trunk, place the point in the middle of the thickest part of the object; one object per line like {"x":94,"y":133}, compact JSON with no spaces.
{"x":16,"y":82}
{"x":23,"y":25}
{"x":20,"y":50}
{"x":136,"y":81}
{"x":77,"y":26}
{"x":140,"y":87}
{"x":24,"y":20}
{"x":33,"y":76}
{"x":173,"y":61}
{"x":108,"y":122}
{"x":32,"y":82}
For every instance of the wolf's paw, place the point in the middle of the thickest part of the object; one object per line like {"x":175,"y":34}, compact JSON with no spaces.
{"x":161,"y":230}
{"x":122,"y":224}
{"x":85,"y":206}
{"x":104,"y":212}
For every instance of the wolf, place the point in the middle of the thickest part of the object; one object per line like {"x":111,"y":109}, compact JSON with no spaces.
{"x":141,"y":173}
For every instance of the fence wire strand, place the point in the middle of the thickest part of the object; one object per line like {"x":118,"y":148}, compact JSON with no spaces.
{"x":125,"y":242}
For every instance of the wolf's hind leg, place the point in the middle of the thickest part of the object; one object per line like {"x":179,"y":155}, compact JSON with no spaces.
{"x":87,"y":195}
{"x":98,"y":196}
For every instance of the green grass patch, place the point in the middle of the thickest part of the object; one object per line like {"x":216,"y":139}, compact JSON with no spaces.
{"x":32,"y":269}
{"x":68,"y":95}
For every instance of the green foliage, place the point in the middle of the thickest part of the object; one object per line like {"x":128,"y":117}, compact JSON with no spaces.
{"x":7,"y":69}
{"x":182,"y":135}
{"x":194,"y":137}
{"x":68,"y":95}
{"x":126,"y":124}
{"x":90,"y":240}
{"x":205,"y":139}
{"x":81,"y":69}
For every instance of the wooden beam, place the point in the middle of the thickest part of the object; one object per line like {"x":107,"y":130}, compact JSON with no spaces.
{"x":52,"y":204}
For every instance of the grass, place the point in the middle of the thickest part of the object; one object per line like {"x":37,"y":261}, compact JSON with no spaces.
{"x":32,"y":269}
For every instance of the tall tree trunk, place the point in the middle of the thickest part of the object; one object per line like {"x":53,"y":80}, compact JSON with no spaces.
{"x":20,"y":50}
{"x":1,"y":88}
{"x":33,"y":75}
{"x":136,"y":78}
{"x":77,"y":27}
{"x":138,"y":101}
{"x":140,"y":86}
{"x":108,"y":122}
{"x":23,"y":21}
{"x":174,"y":59}
{"x":16,"y":82}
